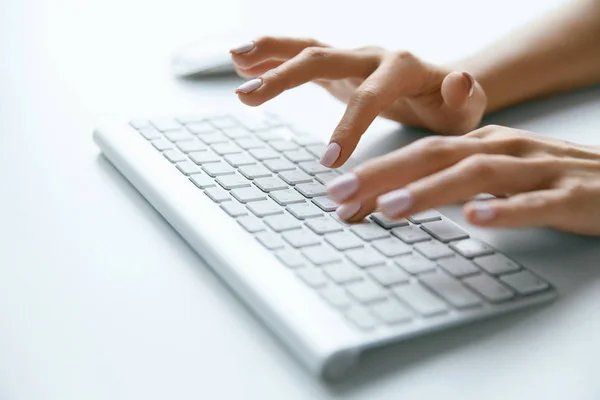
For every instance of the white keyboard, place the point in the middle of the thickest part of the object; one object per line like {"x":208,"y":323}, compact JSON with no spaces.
{"x":248,"y":194}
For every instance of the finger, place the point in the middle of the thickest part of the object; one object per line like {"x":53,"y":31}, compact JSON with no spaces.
{"x":542,"y":208}
{"x":312,"y":63}
{"x":464,"y":95}
{"x":415,"y":161}
{"x":356,"y":212}
{"x":258,"y":70}
{"x":373,"y":96}
{"x":270,"y":48}
{"x":476,"y":174}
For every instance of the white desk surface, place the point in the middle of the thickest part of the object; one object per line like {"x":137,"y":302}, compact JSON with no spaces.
{"x":99,"y":297}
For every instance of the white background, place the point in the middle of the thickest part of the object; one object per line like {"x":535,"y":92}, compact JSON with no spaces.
{"x":100,"y":299}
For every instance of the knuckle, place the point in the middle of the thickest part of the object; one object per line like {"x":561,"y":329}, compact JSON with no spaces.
{"x":403,"y":56}
{"x":575,"y":190}
{"x":515,"y":145}
{"x":435,"y":146}
{"x":265,"y":40}
{"x":480,"y":165}
{"x":313,"y":53}
{"x":366,"y":95}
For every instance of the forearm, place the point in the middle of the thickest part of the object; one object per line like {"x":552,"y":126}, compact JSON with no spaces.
{"x":556,"y":53}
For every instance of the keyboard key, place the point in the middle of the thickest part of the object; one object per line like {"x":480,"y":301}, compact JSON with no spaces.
{"x":234,"y":209}
{"x":237,"y":160}
{"x":224,"y":122}
{"x":410,"y":234}
{"x":365,"y":291}
{"x":279,"y":165}
{"x":236,"y":132}
{"x":161,"y":144}
{"x":233,"y":181}
{"x":369,"y":231}
{"x":496,"y":264}
{"x":344,"y":240}
{"x":320,"y":255}
{"x":472,"y":248}
{"x":525,"y":283}
{"x":140,"y":124}
{"x":303,"y":210}
{"x":420,"y":299}
{"x":246,"y":195}
{"x":361,"y":318}
{"x":285,"y":197}
{"x":297,"y":156}
{"x":282,"y":222}
{"x":226,"y":148}
{"x":392,"y":312}
{"x":425,"y":216}
{"x":365,"y":257}
{"x":326,"y":177}
{"x":323,"y":225}
{"x":301,"y":238}
{"x":450,"y":289}
{"x":311,"y":189}
{"x":178,"y":135}
{"x":200,"y":128}
{"x":164,"y":125}
{"x":213,"y":138}
{"x":187,"y":146}
{"x":283,"y":145}
{"x":250,"y":143}
{"x":388,"y":275}
{"x":342,"y":273}
{"x":264,"y":154}
{"x":295,"y":177}
{"x":325,"y":203}
{"x":252,"y":224}
{"x":270,"y":240}
{"x":270,"y":184}
{"x":489,"y":288}
{"x":458,"y":266}
{"x":316,"y":150}
{"x":203,"y":157}
{"x":174,"y":156}
{"x":269,"y":135}
{"x":188,"y":119}
{"x":217,"y":169}
{"x":306,"y":140}
{"x":387,"y":223}
{"x":444,"y":230}
{"x":188,"y":168}
{"x":391,"y":247}
{"x":313,"y":167}
{"x":291,"y":258}
{"x":264,"y":208}
{"x":202,"y":181}
{"x":150,"y":133}
{"x":217,"y":194}
{"x":254,"y":171}
{"x":336,"y":297}
{"x":434,"y":250}
{"x":415,"y":263}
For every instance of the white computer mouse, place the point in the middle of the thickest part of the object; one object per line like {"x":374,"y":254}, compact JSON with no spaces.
{"x":207,"y":57}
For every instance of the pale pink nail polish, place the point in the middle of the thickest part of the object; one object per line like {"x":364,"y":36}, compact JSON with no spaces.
{"x":343,"y":187}
{"x":347,"y":211}
{"x":471,"y":82}
{"x":482,"y":210}
{"x":245,"y":48}
{"x":394,"y":203}
{"x":249,"y":86}
{"x":331,"y":154}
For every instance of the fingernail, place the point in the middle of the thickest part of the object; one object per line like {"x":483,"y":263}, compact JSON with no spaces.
{"x":471,"y":82}
{"x":482,"y":210}
{"x":331,"y":154}
{"x":394,"y":203}
{"x":347,"y":211}
{"x":343,"y":187}
{"x":243,"y":48}
{"x":250,"y":86}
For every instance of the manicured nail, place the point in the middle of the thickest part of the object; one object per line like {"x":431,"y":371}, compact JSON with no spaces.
{"x":245,"y":48}
{"x":250,"y":86}
{"x":471,"y":83}
{"x":331,"y":154}
{"x":343,"y":187}
{"x":394,"y":203}
{"x":347,"y":211}
{"x":482,"y":210}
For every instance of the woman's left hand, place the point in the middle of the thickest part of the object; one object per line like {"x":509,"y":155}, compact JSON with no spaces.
{"x":540,"y":181}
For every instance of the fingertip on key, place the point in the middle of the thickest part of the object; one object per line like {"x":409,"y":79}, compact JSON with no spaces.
{"x":342,"y":187}
{"x":330,"y":155}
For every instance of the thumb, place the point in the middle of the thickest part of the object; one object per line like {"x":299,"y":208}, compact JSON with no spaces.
{"x":459,"y":89}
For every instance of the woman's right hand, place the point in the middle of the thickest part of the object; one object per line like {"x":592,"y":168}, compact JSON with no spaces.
{"x":372,"y":81}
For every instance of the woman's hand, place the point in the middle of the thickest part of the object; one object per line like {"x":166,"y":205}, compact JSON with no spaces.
{"x":542,"y":182}
{"x":373,"y":81}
